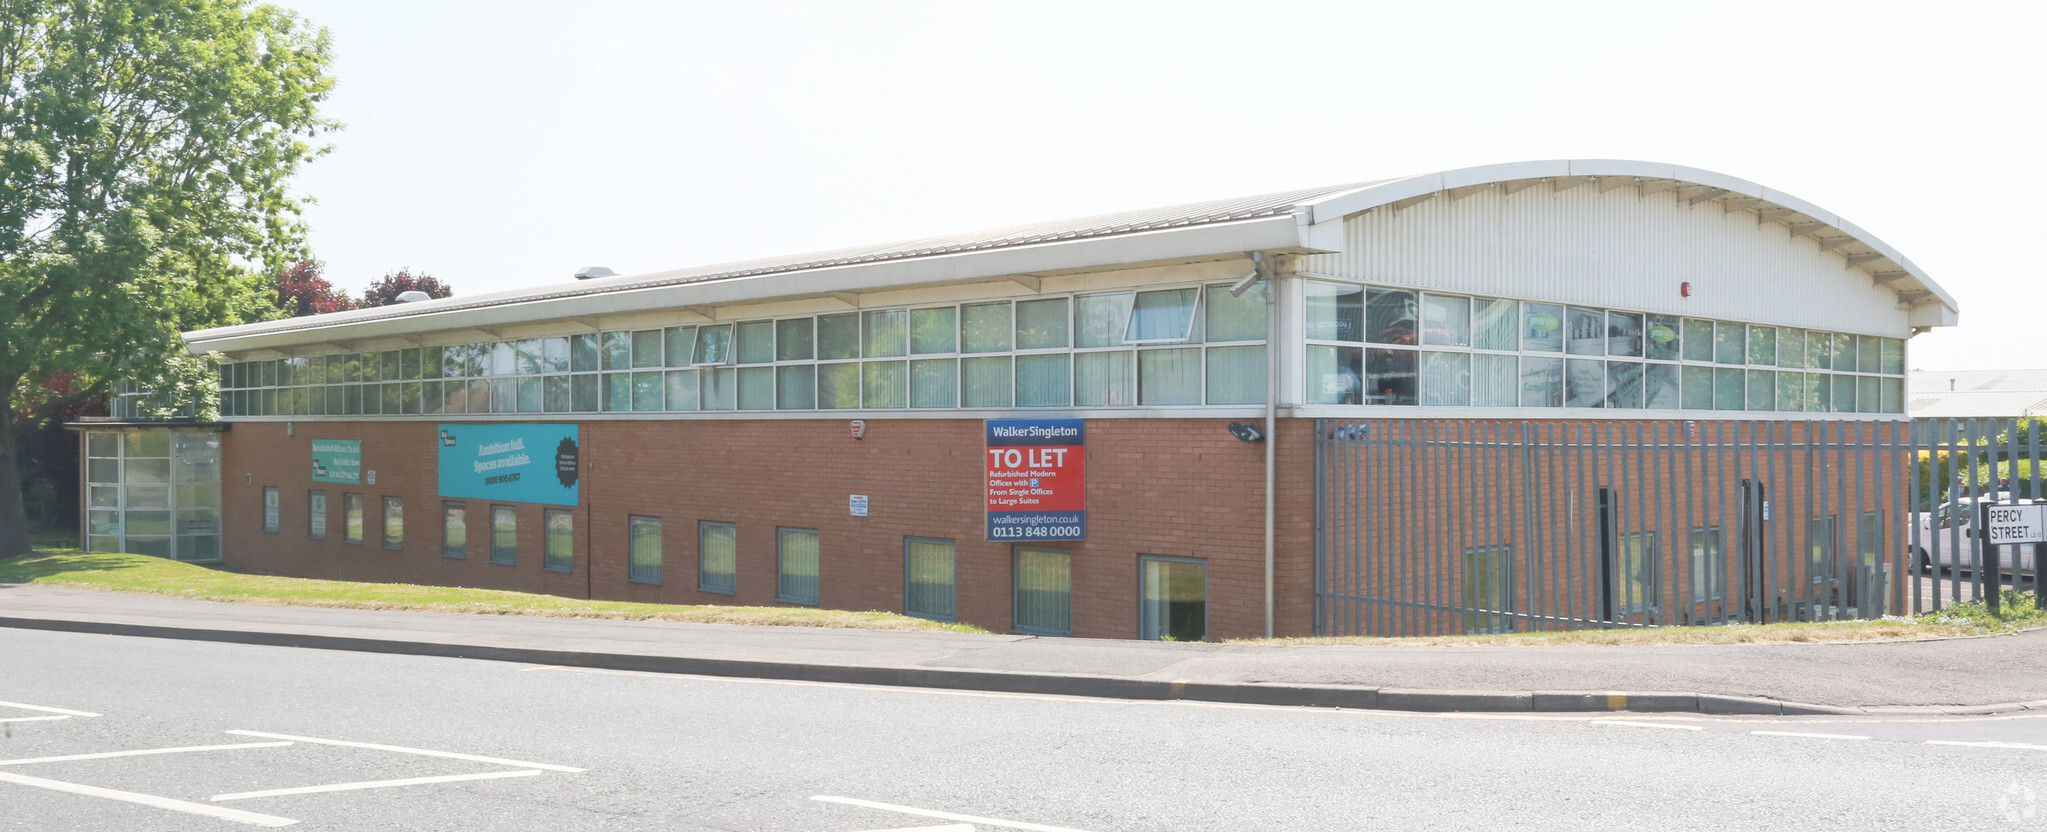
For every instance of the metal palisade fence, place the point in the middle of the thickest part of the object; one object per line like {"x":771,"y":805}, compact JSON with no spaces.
{"x":1430,"y":527}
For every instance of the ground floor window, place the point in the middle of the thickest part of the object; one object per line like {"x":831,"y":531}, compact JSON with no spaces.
{"x":316,"y":515}
{"x":1635,"y":585}
{"x":504,"y":535}
{"x":643,"y":542}
{"x":454,"y":530}
{"x":1174,"y":601}
{"x":394,"y":522}
{"x":796,"y":566}
{"x":351,"y":518}
{"x":1044,"y":591}
{"x":717,"y":557}
{"x":928,"y":578}
{"x":1709,"y":565}
{"x":1820,"y":537}
{"x":561,"y":541}
{"x":1488,"y":588}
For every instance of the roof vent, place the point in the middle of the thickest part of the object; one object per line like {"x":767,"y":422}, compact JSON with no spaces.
{"x":413,"y":296}
{"x":587,"y":272}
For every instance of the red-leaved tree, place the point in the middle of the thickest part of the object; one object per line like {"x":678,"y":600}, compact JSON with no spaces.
{"x":386,"y":291}
{"x":301,"y":291}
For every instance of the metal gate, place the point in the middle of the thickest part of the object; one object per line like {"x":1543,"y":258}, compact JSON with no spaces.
{"x":1431,"y":527}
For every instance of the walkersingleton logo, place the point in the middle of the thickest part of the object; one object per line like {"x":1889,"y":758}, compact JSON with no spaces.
{"x":1035,"y":431}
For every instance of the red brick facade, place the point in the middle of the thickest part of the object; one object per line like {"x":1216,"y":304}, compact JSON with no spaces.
{"x":1178,"y":487}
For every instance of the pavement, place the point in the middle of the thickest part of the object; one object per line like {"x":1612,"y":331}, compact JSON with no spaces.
{"x":1967,"y":675}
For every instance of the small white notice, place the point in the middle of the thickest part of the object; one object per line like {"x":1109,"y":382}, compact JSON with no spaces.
{"x":2016,"y":524}
{"x":372,"y":478}
{"x":856,"y":505}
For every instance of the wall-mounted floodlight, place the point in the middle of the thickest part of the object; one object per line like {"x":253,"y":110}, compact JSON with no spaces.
{"x":1246,"y":432}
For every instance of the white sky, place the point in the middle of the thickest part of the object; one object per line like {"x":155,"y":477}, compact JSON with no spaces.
{"x":497,"y":145}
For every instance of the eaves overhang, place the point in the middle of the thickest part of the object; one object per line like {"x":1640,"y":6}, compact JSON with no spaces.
{"x":641,"y":293}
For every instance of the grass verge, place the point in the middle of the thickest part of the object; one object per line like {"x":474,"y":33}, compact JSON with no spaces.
{"x":56,"y":565}
{"x":2016,"y":614}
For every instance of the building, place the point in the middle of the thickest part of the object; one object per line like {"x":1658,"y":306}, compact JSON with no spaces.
{"x":866,"y":428}
{"x":1976,"y":394}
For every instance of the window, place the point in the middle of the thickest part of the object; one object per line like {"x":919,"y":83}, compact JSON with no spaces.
{"x":561,"y":541}
{"x":1487,"y":589}
{"x":1173,"y":604}
{"x":394,"y":522}
{"x":796,"y":566}
{"x":1162,"y":316}
{"x":454,"y":530}
{"x":1636,"y":585}
{"x":270,"y":507}
{"x":717,"y":557}
{"x":1820,"y":539}
{"x":1709,"y":566}
{"x":351,"y":518}
{"x":643,"y":541}
{"x":928,"y":589}
{"x":1044,"y":591}
{"x":316,"y":515}
{"x":504,"y":535}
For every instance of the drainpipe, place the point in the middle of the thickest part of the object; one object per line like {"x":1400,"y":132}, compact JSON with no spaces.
{"x":1265,"y":270}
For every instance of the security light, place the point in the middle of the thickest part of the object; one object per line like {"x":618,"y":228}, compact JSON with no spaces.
{"x":1246,"y":432}
{"x":1237,"y":288}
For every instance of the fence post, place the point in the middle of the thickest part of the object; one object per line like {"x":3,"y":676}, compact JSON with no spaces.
{"x":1992,"y":579}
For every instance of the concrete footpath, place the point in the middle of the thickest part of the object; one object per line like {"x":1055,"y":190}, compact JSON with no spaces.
{"x":1976,"y":675}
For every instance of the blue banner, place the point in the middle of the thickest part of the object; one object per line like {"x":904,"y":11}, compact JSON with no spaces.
{"x":511,"y":463}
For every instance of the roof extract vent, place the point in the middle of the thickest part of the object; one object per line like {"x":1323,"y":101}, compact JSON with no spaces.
{"x":587,"y":272}
{"x":413,"y":296}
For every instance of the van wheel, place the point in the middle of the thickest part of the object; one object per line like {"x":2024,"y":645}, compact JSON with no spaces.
{"x":1925,"y":562}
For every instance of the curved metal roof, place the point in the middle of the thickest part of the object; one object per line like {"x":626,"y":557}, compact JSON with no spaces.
{"x":1283,"y":220}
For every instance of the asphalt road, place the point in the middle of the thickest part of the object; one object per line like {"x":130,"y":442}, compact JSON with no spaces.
{"x":483,"y":745}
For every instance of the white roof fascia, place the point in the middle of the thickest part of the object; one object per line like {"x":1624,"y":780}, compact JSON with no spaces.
{"x":1334,"y":208}
{"x":1207,"y":240}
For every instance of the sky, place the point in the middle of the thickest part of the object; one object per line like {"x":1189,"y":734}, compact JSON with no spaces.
{"x":498,"y":145}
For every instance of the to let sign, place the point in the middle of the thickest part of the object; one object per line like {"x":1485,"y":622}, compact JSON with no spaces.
{"x":1037,"y":479}
{"x":2015,"y":524}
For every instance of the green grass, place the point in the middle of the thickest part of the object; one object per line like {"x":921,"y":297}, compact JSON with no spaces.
{"x":55,"y":563}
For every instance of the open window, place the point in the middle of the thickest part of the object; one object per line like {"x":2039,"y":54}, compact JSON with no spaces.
{"x":1163,"y":316}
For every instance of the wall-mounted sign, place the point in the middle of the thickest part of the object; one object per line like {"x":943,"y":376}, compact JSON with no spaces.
{"x":856,"y":505}
{"x":337,"y":460}
{"x":1037,"y":479}
{"x":511,"y":463}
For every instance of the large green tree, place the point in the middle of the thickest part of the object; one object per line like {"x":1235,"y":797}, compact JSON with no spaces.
{"x":146,"y":148}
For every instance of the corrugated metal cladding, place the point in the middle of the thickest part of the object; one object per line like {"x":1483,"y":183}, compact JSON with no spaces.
{"x":1616,"y":249}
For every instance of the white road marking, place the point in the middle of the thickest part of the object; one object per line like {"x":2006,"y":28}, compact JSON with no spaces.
{"x":1809,"y":735}
{"x":109,"y":754}
{"x":969,"y":819}
{"x":64,"y":711}
{"x":1990,"y":744}
{"x":950,"y":827}
{"x":474,"y":758}
{"x":377,"y":784}
{"x":32,"y":718}
{"x":150,"y":800}
{"x":1664,"y":725}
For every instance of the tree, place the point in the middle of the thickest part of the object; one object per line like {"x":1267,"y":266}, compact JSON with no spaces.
{"x":146,"y":149}
{"x":301,"y":291}
{"x":385,"y":292}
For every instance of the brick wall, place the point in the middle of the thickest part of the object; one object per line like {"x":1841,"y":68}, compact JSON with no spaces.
{"x":1177,"y":487}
